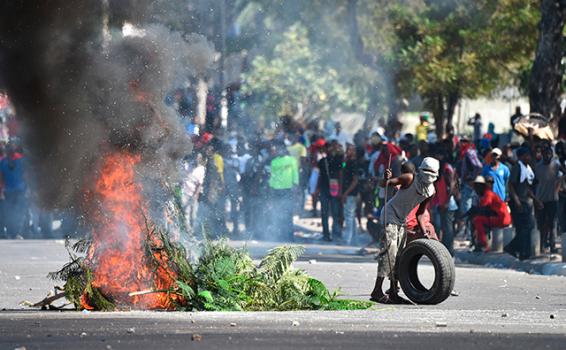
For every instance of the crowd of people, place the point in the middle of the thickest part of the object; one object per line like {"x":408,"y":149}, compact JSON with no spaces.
{"x":255,"y":185}
{"x":251,"y":186}
{"x":18,"y":215}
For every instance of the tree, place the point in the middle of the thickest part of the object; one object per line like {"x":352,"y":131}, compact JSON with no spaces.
{"x":546,"y":80}
{"x":293,"y":81}
{"x":462,"y":49}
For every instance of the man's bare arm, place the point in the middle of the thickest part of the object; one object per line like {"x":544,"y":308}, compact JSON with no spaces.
{"x":404,"y":180}
{"x":423,"y":207}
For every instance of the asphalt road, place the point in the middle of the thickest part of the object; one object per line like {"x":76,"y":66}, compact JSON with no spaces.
{"x":495,"y":309}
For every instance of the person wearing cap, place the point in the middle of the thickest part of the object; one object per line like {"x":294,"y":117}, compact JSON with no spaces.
{"x":522,"y":197}
{"x":499,"y":172}
{"x":414,"y":190}
{"x":492,"y":212}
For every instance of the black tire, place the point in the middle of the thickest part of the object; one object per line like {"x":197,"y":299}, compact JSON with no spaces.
{"x":445,"y":272}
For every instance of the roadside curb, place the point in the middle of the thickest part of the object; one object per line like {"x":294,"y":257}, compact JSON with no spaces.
{"x":506,"y":261}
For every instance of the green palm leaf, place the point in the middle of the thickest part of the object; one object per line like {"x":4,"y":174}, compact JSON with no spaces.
{"x":278,"y":261}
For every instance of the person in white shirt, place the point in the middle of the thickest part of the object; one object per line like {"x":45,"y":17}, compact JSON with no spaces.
{"x":192,"y":188}
{"x":339,"y":135}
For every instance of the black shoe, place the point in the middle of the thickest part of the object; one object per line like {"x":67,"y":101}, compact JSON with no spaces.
{"x":507,"y":249}
{"x":327,"y":239}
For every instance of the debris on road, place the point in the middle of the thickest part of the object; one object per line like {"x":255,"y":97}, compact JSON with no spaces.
{"x":441,"y":324}
{"x":295,"y":324}
{"x":505,"y":315}
{"x":196,"y":337}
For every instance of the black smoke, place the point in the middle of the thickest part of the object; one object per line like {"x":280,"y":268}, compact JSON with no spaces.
{"x":80,"y":94}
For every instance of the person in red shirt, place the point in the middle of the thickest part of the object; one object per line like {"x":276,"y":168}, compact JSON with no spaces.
{"x":492,"y":212}
{"x":413,"y":229}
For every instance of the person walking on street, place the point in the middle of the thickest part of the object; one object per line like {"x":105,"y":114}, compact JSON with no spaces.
{"x":415,"y":190}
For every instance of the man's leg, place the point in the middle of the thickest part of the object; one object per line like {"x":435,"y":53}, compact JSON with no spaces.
{"x":336,"y":208}
{"x":386,"y":260}
{"x":524,"y":226}
{"x":289,"y":204}
{"x":480,"y":222}
{"x":350,"y":219}
{"x":324,"y":211}
{"x":540,"y":219}
{"x":234,"y":212}
{"x":551,"y":210}
{"x":448,"y":230}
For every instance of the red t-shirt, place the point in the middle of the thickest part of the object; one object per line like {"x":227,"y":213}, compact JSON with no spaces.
{"x":441,"y":196}
{"x":493,"y":202}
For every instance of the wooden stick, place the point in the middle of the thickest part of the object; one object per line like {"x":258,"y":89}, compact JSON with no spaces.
{"x":144,"y":292}
{"x":393,"y":282}
{"x":49,"y":300}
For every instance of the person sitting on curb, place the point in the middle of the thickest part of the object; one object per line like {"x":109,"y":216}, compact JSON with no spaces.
{"x":492,"y":212}
{"x":415,"y":190}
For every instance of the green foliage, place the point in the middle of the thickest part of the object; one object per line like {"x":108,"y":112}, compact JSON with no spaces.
{"x":278,"y":261}
{"x":292,"y":79}
{"x":467,"y":48}
{"x":229,"y":281}
{"x":223,"y":279}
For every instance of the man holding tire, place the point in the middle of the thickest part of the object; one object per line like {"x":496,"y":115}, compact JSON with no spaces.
{"x":415,"y":190}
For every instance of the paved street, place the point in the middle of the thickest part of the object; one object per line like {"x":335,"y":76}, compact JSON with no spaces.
{"x":495,"y":309}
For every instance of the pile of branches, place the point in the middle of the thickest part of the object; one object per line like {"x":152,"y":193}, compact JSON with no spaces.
{"x":222,"y":279}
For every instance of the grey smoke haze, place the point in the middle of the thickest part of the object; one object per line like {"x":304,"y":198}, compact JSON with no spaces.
{"x":79,"y":100}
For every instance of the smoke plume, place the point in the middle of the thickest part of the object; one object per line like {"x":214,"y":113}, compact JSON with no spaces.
{"x":81,"y":95}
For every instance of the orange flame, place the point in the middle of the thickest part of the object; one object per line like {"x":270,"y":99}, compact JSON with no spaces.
{"x":118,"y":256}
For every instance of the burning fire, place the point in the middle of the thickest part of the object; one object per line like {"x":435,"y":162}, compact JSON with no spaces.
{"x":123,"y":268}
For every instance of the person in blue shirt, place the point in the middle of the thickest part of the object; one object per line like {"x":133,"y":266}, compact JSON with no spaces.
{"x":499,"y":172}
{"x":12,"y":173}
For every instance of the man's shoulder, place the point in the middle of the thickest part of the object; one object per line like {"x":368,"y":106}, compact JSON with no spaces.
{"x":406,"y":179}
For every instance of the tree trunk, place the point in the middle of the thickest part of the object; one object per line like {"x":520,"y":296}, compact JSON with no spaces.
{"x":452,"y":102}
{"x":545,"y":84}
{"x":437,"y":108}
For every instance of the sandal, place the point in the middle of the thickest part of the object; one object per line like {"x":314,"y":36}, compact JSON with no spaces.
{"x":382,"y":300}
{"x":400,"y":300}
